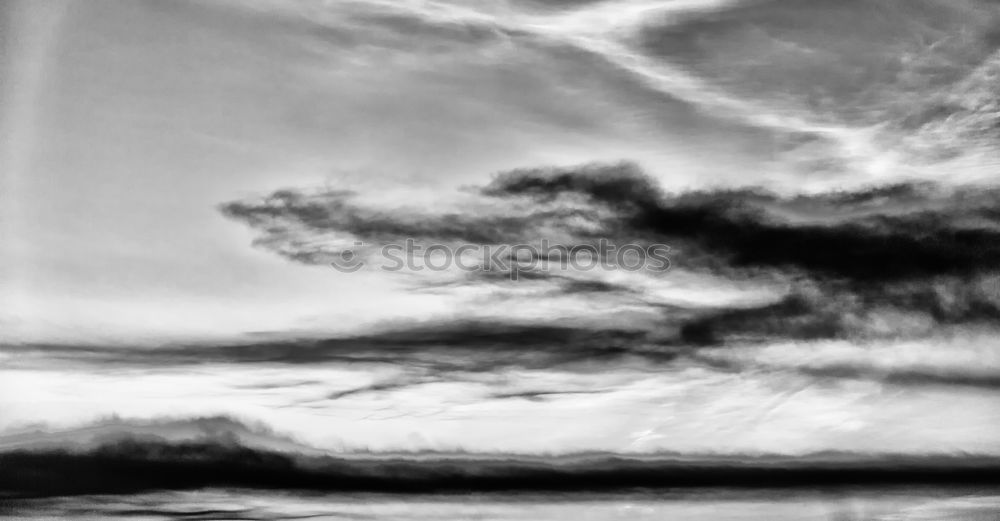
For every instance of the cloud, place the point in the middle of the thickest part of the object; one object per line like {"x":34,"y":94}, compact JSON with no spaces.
{"x":455,"y":346}
{"x":914,"y":74}
{"x":941,"y":234}
{"x":887,"y":260}
{"x":839,"y":236}
{"x":788,"y":337}
{"x":292,"y":215}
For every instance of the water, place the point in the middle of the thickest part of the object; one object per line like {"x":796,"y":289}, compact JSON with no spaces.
{"x":715,"y":505}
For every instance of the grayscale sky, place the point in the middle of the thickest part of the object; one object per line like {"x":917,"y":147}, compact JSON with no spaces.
{"x":149,"y":149}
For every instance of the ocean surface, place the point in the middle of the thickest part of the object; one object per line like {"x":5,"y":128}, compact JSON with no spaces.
{"x":931,"y":504}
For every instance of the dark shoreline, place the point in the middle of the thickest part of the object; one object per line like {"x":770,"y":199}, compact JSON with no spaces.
{"x":132,"y":466}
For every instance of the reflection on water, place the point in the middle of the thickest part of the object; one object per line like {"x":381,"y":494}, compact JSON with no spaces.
{"x":714,"y":505}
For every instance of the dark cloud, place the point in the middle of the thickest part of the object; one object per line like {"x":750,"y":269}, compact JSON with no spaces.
{"x":745,"y":229}
{"x":470,"y":346}
{"x":286,"y":212}
{"x":835,"y":371}
{"x":622,"y":185}
{"x":915,"y":249}
{"x":540,"y":395}
{"x":856,"y":310}
{"x":905,"y":377}
{"x":837,"y":236}
{"x":569,"y":285}
{"x":792,"y":317}
{"x":476,"y":351}
{"x":911,"y":249}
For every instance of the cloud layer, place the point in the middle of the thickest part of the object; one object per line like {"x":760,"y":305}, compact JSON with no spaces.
{"x":892,"y":260}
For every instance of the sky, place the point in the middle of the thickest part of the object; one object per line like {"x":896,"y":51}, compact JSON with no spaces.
{"x":178,"y":176}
